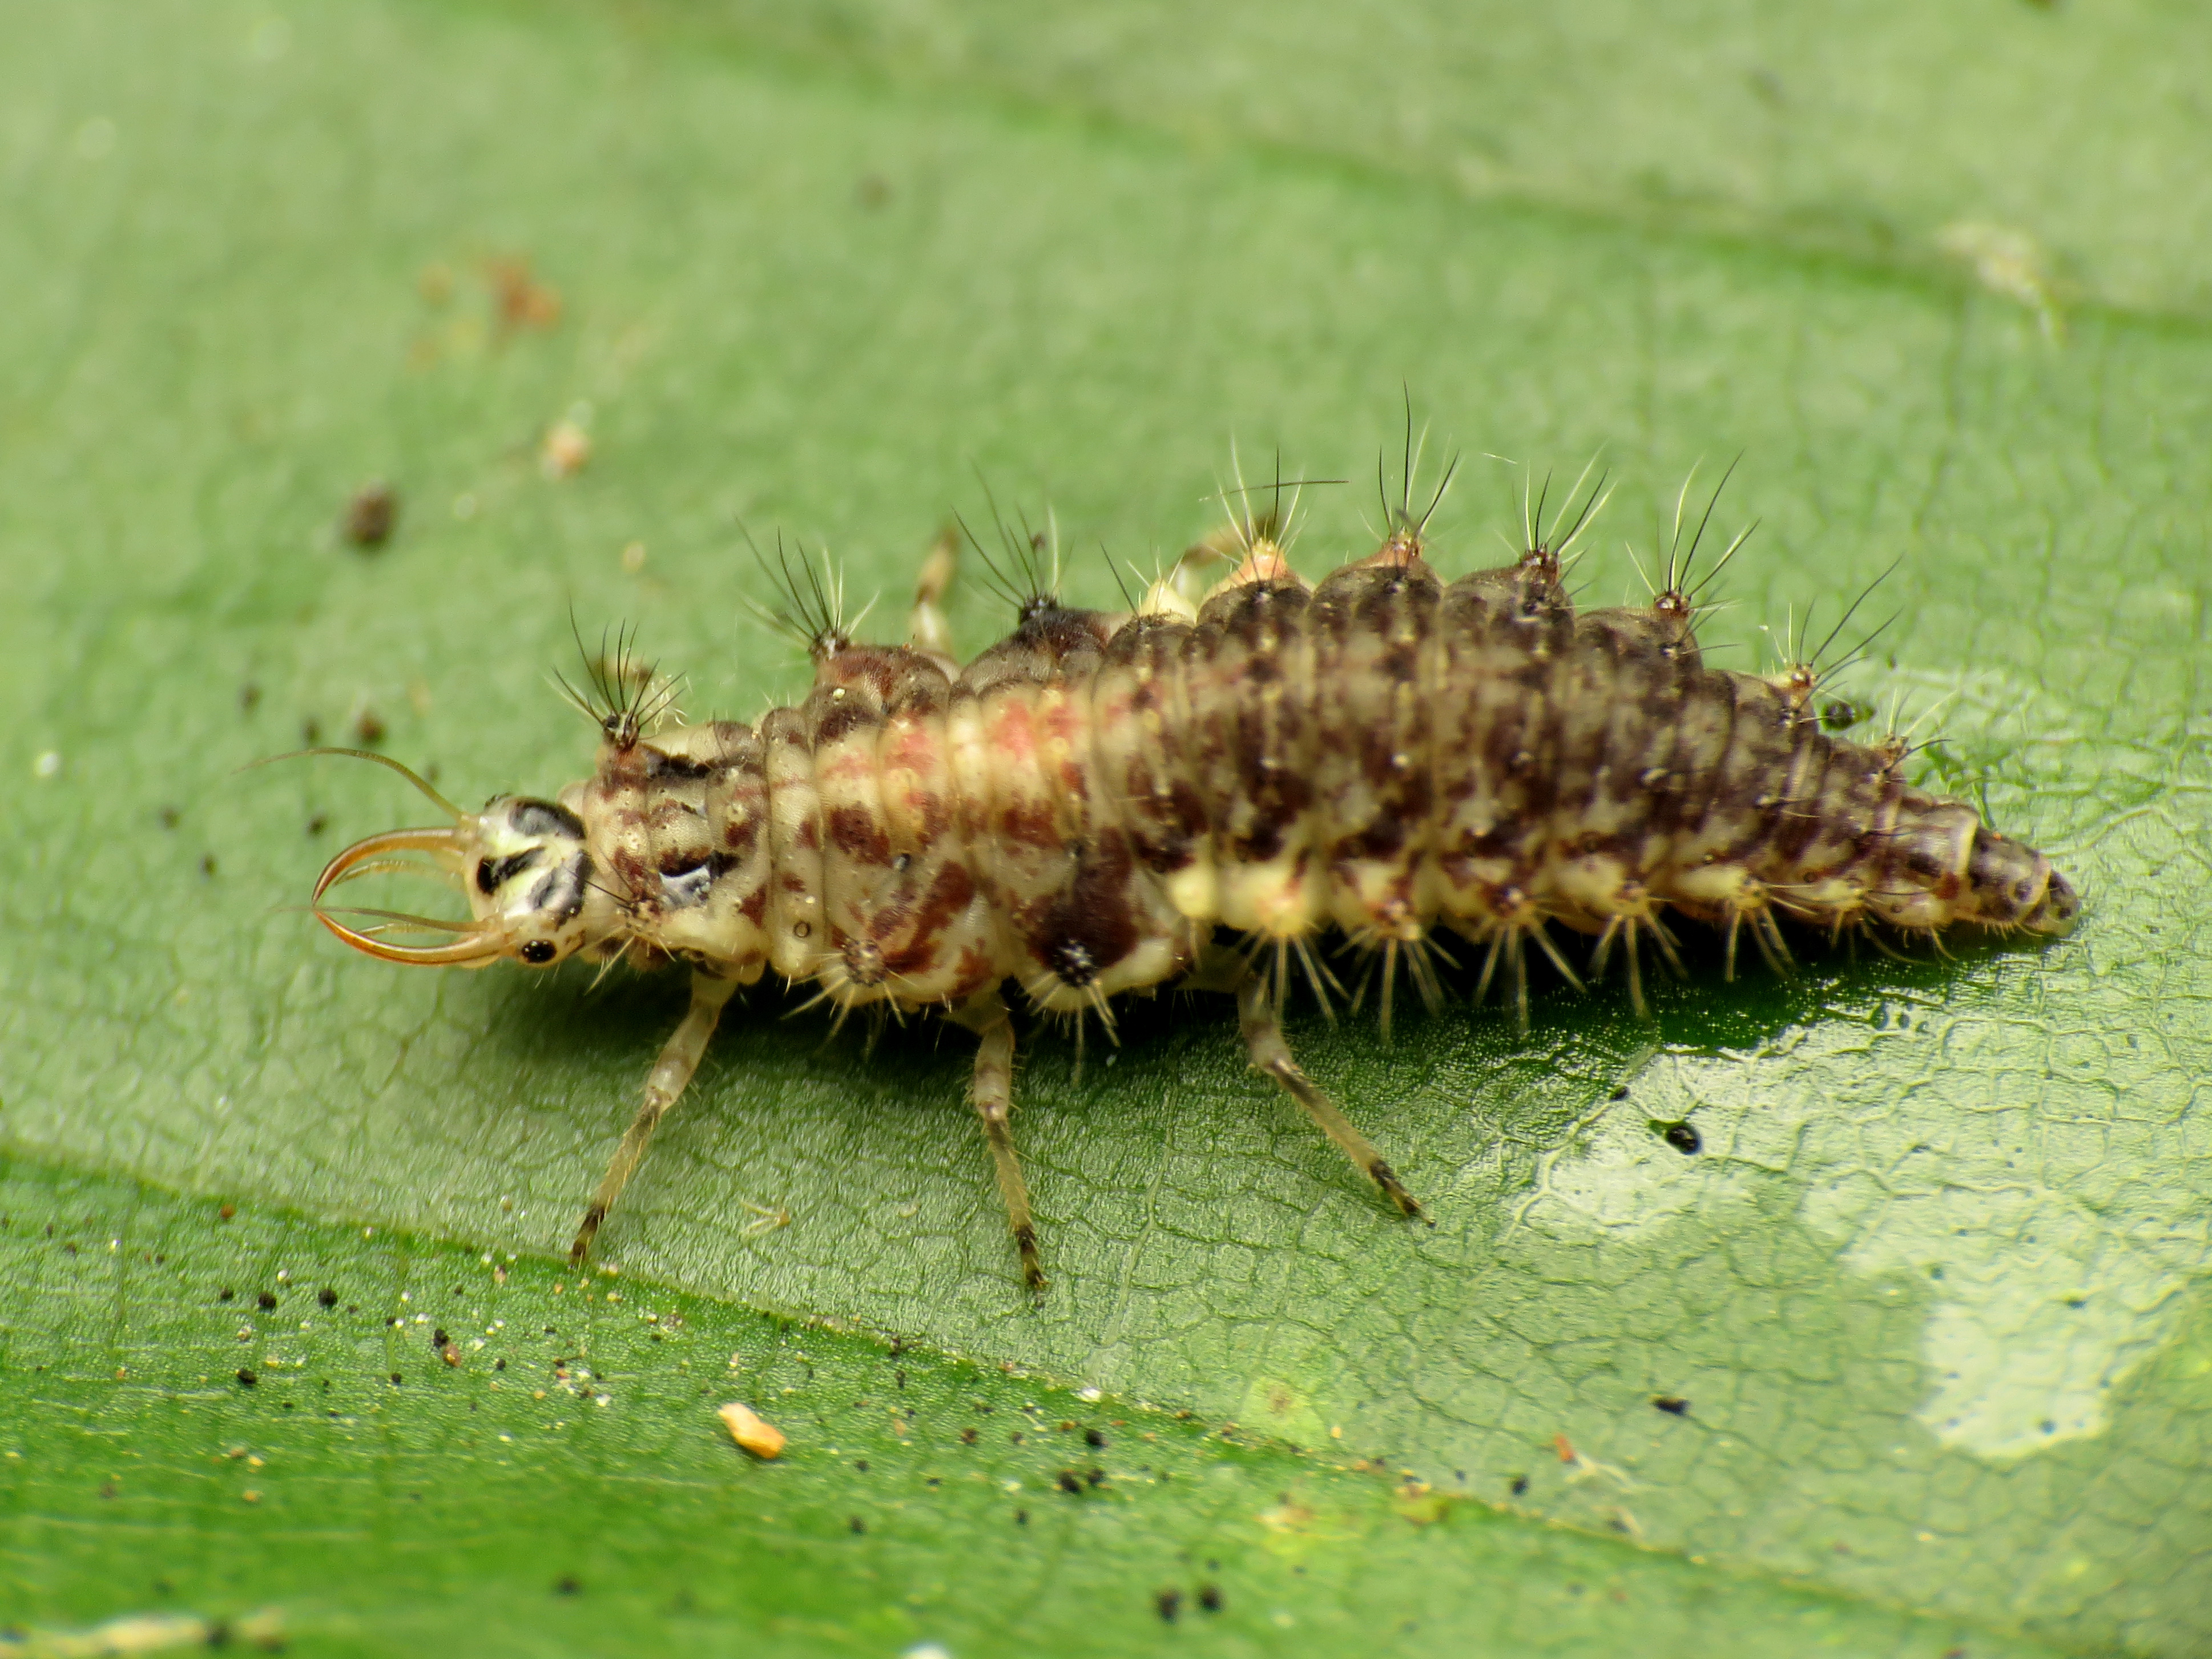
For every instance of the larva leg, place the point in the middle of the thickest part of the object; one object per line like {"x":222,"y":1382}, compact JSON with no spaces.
{"x":985,"y":1015}
{"x":927,"y":630}
{"x":1263,"y":1041}
{"x":679,"y":1058}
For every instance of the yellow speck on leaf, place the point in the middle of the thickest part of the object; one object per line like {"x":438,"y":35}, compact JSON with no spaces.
{"x":751,"y":1430}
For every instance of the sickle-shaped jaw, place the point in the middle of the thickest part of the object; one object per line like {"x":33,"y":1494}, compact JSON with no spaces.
{"x":475,"y":945}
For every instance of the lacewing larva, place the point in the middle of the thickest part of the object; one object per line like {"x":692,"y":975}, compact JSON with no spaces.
{"x":1189,"y":794}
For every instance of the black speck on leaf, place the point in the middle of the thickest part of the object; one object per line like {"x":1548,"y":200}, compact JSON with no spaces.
{"x":1673,"y":1405}
{"x":265,"y":1301}
{"x":247,"y":1376}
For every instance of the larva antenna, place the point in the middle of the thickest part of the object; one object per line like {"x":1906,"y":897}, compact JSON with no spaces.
{"x":385,"y":761}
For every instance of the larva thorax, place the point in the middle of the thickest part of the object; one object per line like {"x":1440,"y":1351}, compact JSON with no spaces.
{"x":1084,"y":806}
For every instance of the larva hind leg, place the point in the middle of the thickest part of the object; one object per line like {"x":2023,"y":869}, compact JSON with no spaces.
{"x":671,"y":1072}
{"x":1222,"y":971}
{"x":986,"y":1014}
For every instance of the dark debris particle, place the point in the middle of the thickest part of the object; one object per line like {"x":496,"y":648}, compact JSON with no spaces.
{"x":1094,"y":1438}
{"x":225,"y":1294}
{"x":861,"y":1464}
{"x":568,"y":1584}
{"x":370,"y":515}
{"x":369,"y":728}
{"x":1068,"y":1483}
{"x":327,"y":1297}
{"x":1170,"y":1603}
{"x":395,"y":1379}
{"x":1673,"y":1405}
{"x":1619,"y":1092}
{"x":1682,"y":1137}
{"x":207,"y":868}
{"x":1209,"y":1597}
{"x":248,"y":695}
{"x":967,"y":1436}
{"x":246,"y":1378}
{"x":1096,"y":1476}
{"x":857,"y":1524}
{"x":1021,"y":1517}
{"x":169,"y":815}
{"x":318,"y":824}
{"x":267,"y":1301}
{"x":1520,"y":1485}
{"x":499,"y":1364}
{"x":439,"y":1338}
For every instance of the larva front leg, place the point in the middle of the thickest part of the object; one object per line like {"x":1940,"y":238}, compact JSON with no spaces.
{"x":671,"y":1072}
{"x":986,"y":1014}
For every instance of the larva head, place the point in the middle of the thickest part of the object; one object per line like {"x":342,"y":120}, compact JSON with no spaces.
{"x":526,"y":871}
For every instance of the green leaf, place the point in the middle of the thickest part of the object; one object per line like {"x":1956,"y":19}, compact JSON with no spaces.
{"x":1933,"y":1288}
{"x":457,"y":1447}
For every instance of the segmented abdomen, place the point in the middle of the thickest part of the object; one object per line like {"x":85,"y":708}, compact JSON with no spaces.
{"x":1384,"y":754}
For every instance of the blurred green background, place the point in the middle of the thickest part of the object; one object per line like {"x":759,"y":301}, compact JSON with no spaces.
{"x":1932,"y":1291}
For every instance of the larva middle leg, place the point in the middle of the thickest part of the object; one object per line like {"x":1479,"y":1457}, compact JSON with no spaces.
{"x":1219,"y":969}
{"x":988,"y":1016}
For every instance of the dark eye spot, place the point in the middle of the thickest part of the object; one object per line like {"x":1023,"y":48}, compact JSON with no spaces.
{"x":539,"y":953}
